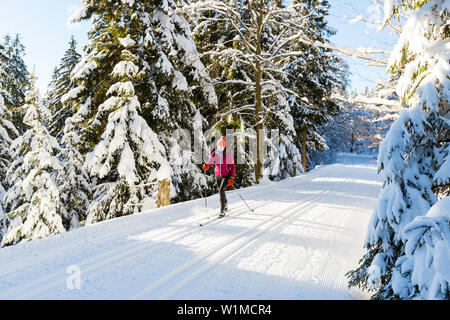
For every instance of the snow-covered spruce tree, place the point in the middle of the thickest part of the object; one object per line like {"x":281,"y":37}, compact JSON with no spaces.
{"x":128,"y":156}
{"x":263,"y":33}
{"x":441,"y":180}
{"x":32,"y":203}
{"x":7,"y":133}
{"x":59,"y":86}
{"x":315,"y":73}
{"x":3,"y":61}
{"x":427,"y":256}
{"x":381,"y":120}
{"x":172,"y":83}
{"x":411,"y":155}
{"x":73,"y":181}
{"x":6,"y":129}
{"x":178,"y":90}
{"x":51,"y":85}
{"x":183,"y":161}
{"x":16,"y":79}
{"x":124,"y":160}
{"x":284,"y":160}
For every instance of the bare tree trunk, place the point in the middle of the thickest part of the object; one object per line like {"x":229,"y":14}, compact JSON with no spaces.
{"x":258,"y":100}
{"x":259,"y":128}
{"x":304,"y":150}
{"x":353,"y":141}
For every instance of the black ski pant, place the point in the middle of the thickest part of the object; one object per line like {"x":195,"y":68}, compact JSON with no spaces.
{"x":222,"y":182}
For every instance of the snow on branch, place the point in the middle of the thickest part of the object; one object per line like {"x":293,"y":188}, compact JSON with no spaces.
{"x":361,"y":53}
{"x":372,"y":103}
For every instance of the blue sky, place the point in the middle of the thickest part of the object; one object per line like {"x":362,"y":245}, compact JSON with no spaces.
{"x":45,"y":33}
{"x":357,"y":35}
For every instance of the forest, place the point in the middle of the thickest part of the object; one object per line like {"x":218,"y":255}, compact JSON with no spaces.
{"x":160,"y":80}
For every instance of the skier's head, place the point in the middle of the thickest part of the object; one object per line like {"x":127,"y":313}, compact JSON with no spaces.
{"x":221,"y":143}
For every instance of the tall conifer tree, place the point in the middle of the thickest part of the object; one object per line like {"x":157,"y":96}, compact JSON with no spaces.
{"x":413,"y":159}
{"x":33,"y":201}
{"x":141,"y":72}
{"x":16,"y":79}
{"x":314,"y":74}
{"x":59,"y":86}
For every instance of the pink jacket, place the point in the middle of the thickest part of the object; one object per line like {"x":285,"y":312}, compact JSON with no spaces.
{"x":224,"y":164}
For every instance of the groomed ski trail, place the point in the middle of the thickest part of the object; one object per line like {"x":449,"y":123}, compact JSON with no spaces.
{"x":305,"y":233}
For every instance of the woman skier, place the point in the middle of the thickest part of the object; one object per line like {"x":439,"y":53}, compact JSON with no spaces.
{"x":225,"y":170}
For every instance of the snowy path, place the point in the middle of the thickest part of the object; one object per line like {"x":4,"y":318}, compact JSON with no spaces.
{"x":306,"y":232}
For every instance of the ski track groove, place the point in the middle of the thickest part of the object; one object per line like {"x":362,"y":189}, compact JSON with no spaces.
{"x":178,"y":233}
{"x":184,"y":221}
{"x":299,"y":261}
{"x":46,"y":257}
{"x":291,"y":212}
{"x":110,"y":256}
{"x":279,"y":226}
{"x":283,"y":224}
{"x":316,"y":264}
{"x":63,"y":274}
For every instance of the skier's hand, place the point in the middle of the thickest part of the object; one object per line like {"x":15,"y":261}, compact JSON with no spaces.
{"x":205,"y":167}
{"x":230,"y":182}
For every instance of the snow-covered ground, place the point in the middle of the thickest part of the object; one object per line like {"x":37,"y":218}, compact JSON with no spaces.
{"x":305,"y":234}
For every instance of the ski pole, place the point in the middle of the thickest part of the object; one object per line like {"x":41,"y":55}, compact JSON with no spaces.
{"x":206,"y":199}
{"x":243,"y":199}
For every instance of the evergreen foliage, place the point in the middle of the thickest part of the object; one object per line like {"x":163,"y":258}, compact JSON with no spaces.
{"x":73,"y":182}
{"x":170,"y":82}
{"x":315,"y":73}
{"x":59,"y":86}
{"x":32,"y":203}
{"x":8,"y":133}
{"x":16,"y":78}
{"x":412,"y":154}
